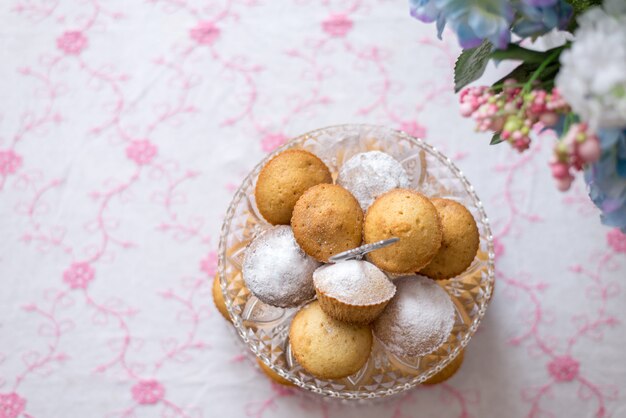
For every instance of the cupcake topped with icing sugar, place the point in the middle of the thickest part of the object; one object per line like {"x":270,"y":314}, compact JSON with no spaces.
{"x":368,"y":175}
{"x":353,"y":291}
{"x":277,"y":271}
{"x":418,"y":320}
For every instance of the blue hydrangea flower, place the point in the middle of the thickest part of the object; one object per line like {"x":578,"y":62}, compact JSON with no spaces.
{"x":541,"y":16}
{"x":607,"y":178}
{"x":472,"y":20}
{"x":428,"y":12}
{"x":541,"y":3}
{"x":476,"y":20}
{"x":425,"y":10}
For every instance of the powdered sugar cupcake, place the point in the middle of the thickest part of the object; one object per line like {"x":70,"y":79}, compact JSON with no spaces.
{"x":418,"y":320}
{"x":368,"y":175}
{"x":352,"y":291}
{"x":277,"y":271}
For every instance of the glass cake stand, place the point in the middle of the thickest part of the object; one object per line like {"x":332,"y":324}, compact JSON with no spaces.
{"x":265,"y":329}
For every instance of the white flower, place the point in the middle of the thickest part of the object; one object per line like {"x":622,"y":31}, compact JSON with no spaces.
{"x":615,"y":7}
{"x":593,"y":71}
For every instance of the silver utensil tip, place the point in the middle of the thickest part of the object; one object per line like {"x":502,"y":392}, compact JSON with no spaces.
{"x":359,"y":252}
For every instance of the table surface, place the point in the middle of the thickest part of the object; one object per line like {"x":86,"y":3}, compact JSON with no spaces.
{"x":126,"y":126}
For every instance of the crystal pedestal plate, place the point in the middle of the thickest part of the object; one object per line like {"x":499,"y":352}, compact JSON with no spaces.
{"x":264,"y":329}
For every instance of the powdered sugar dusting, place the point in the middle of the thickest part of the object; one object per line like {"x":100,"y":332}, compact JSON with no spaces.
{"x":418,"y":320}
{"x":369,"y":174}
{"x":354,"y":282}
{"x":277,"y":271}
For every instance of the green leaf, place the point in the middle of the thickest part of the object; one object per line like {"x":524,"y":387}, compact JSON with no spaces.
{"x":582,"y":5}
{"x":524,"y":71}
{"x":471,"y":65}
{"x":496,"y":139}
{"x":516,"y":52}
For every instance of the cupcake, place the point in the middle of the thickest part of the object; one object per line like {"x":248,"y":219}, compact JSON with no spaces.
{"x":407,"y":215}
{"x":277,"y":271}
{"x":284,"y":179}
{"x":352,"y":291}
{"x":418,"y":320}
{"x":459,"y":242}
{"x":327,"y":348}
{"x":370,"y":174}
{"x":327,"y":220}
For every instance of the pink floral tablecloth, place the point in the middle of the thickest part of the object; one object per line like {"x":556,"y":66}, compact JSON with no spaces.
{"x":125,"y":127}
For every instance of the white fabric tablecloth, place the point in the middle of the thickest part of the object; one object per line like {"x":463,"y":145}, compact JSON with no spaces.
{"x":125,"y":127}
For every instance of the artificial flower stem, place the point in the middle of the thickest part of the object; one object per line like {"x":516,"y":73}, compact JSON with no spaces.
{"x":539,"y":70}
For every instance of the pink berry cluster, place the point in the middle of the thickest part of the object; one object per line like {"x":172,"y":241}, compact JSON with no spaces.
{"x":577,"y":148}
{"x":511,"y":112}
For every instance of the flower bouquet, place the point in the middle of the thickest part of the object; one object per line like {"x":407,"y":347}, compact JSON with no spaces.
{"x":577,"y":90}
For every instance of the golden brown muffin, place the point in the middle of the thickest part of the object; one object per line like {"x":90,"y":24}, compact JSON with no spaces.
{"x":273,"y":375}
{"x":218,"y":298}
{"x":327,"y":348}
{"x":353,"y":291}
{"x":409,"y":216}
{"x":459,"y":243}
{"x":447,"y":372}
{"x":282,"y":181}
{"x":327,"y":220}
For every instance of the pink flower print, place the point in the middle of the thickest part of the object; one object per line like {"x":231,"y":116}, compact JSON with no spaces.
{"x":148,"y":392}
{"x":498,"y":247}
{"x":272,"y":141}
{"x":205,"y":33}
{"x":141,"y":151}
{"x":615,"y":238}
{"x":9,"y":162}
{"x":337,"y":25}
{"x":577,"y":268}
{"x":78,"y":275}
{"x":209,"y":264}
{"x":11,"y":405}
{"x":72,"y":42}
{"x":563,"y":368}
{"x":414,"y":129}
{"x":281,"y":390}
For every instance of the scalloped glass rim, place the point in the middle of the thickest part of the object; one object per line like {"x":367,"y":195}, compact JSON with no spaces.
{"x":327,"y":391}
